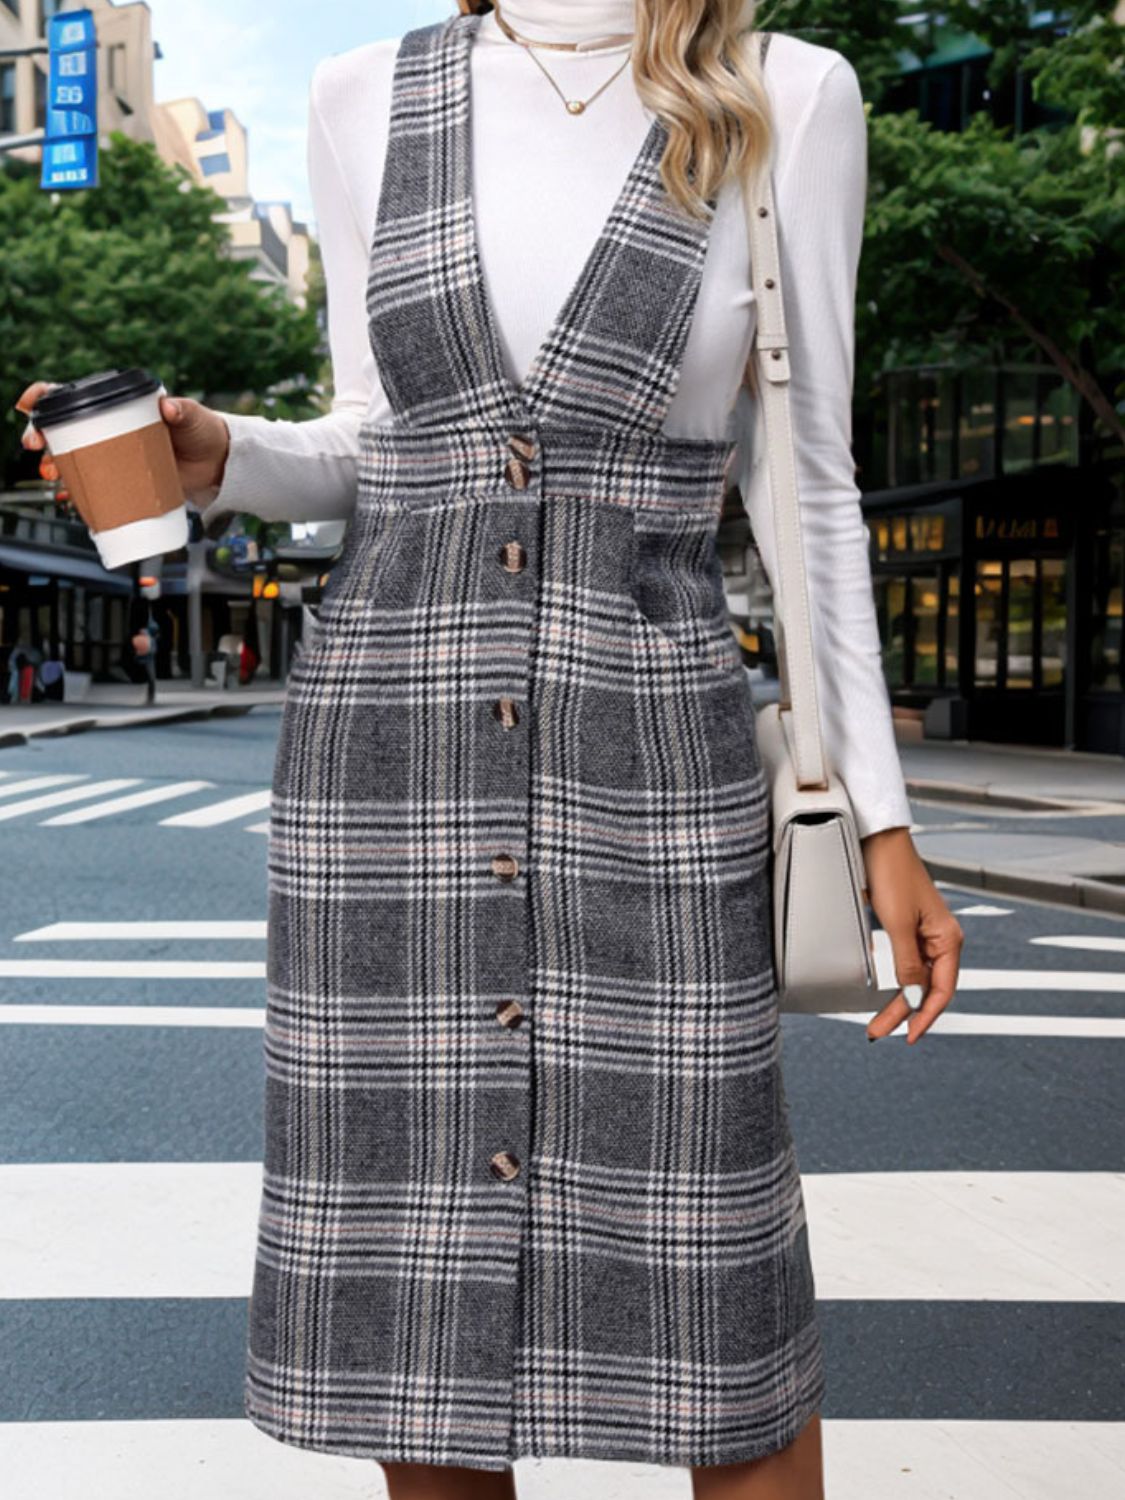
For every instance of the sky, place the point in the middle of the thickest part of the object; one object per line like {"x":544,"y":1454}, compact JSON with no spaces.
{"x":256,"y":57}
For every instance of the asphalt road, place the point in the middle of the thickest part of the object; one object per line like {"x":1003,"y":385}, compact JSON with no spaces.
{"x":966,"y":1196}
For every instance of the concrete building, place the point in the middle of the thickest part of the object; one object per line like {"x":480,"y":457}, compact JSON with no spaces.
{"x":126,"y":53}
{"x":210,"y":144}
{"x":214,"y":146}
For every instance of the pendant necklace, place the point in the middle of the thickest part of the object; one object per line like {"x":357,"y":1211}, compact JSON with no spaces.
{"x":573,"y":106}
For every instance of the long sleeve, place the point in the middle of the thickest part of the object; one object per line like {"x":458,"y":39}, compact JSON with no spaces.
{"x":820,"y":190}
{"x":307,"y":471}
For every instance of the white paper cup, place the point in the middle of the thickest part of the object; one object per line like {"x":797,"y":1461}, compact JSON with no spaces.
{"x":116,"y":459}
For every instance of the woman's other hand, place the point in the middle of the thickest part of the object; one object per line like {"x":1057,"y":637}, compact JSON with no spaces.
{"x":200,"y":438}
{"x":925,"y":937}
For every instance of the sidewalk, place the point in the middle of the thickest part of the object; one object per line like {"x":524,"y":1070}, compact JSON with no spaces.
{"x":1044,"y":824}
{"x":1010,"y":819}
{"x":121,"y":705}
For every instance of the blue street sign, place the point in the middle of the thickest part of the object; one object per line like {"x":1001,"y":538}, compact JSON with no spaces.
{"x":70,"y":142}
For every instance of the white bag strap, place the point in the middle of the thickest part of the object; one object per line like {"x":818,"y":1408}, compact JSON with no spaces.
{"x":794,"y":631}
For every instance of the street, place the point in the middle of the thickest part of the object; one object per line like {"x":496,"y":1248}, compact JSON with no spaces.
{"x":965,"y":1196}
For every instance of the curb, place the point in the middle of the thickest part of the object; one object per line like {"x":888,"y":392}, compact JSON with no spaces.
{"x":141,"y":720}
{"x":954,"y":791}
{"x":1055,"y":890}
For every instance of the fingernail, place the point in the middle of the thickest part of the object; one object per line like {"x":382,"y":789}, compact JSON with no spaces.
{"x":872,"y":1038}
{"x":174,"y":405}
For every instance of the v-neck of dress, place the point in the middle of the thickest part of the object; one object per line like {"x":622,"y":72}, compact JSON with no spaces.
{"x":523,"y":391}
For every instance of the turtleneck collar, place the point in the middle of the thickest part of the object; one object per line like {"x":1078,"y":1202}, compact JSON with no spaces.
{"x":567,"y":20}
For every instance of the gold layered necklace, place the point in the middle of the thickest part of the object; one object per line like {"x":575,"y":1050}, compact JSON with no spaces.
{"x":573,"y":106}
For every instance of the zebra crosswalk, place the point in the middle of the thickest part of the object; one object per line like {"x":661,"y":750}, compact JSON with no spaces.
{"x":965,"y":1199}
{"x":29,"y":797}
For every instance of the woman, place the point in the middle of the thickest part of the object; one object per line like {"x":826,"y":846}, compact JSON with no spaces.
{"x":530,"y":1186}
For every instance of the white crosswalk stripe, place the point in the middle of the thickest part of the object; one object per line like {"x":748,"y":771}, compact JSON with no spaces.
{"x":130,"y":968}
{"x":1087,"y":942}
{"x":219,"y":812}
{"x":186,"y":1229}
{"x":72,"y":794}
{"x":35,"y":784}
{"x":240,"y":1016}
{"x":127,"y":804}
{"x":864,"y":1460}
{"x":147,"y":931}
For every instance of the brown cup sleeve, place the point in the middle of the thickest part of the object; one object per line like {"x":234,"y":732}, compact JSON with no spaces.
{"x":132,"y":477}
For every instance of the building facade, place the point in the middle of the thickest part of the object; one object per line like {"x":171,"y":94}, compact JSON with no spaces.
{"x":998,"y":560}
{"x":997,"y":522}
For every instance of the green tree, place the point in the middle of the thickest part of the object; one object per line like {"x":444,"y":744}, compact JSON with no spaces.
{"x":984,"y":245}
{"x":140,"y":272}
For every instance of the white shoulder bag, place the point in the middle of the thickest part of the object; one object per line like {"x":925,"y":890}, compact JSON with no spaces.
{"x":822,"y":941}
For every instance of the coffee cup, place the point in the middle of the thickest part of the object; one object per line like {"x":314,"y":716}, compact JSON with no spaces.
{"x":115,"y":456}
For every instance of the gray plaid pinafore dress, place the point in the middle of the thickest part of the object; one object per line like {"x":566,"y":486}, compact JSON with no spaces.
{"x":529,"y":1181}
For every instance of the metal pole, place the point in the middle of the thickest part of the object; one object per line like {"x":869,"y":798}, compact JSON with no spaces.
{"x":195,"y":570}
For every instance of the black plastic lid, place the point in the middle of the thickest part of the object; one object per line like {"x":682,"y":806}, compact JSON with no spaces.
{"x":92,"y":393}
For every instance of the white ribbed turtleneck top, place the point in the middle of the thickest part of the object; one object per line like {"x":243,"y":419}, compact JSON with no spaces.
{"x":544,"y":183}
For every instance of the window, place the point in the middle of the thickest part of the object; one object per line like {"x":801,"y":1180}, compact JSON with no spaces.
{"x":116,"y":67}
{"x":49,"y":8}
{"x":8,"y":98}
{"x":977,"y":434}
{"x":989,"y":592}
{"x":1106,"y":668}
{"x":952,"y":618}
{"x":1020,"y":412}
{"x":1058,"y":421}
{"x":926,"y":591}
{"x":13,"y":6}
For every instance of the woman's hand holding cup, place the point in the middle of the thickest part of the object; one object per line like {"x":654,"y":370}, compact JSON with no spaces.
{"x":200,"y":437}
{"x":130,"y":455}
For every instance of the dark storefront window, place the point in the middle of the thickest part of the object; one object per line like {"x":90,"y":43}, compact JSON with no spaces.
{"x":1019,"y":407}
{"x":977,"y":437}
{"x":1052,"y":650}
{"x":1058,"y":422}
{"x":976,"y":424}
{"x":952,"y":625}
{"x":915,"y":584}
{"x":922,"y":427}
{"x":926,"y":591}
{"x":989,"y":587}
{"x":1107,"y":670}
{"x":1020,"y":623}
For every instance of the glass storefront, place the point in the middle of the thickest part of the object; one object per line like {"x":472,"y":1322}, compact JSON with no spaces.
{"x":1012,"y":546}
{"x":946,"y":424}
{"x":914,"y":565}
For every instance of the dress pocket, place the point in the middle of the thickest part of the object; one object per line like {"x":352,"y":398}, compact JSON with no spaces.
{"x":677,"y":598}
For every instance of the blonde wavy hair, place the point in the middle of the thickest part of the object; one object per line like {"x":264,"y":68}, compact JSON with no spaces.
{"x":693,"y":67}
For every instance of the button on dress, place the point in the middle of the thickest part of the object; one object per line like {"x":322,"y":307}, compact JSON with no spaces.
{"x":529,"y":1182}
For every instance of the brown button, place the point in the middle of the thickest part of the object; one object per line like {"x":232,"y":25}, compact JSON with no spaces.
{"x":504,"y":1165}
{"x":506,"y":711}
{"x":523,"y":446}
{"x":509,"y":1012}
{"x":505,"y":866}
{"x":517,"y":473}
{"x":514,"y":556}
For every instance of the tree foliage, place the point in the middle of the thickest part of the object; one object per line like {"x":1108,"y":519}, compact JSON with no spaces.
{"x":139,"y":271}
{"x":985,"y":245}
